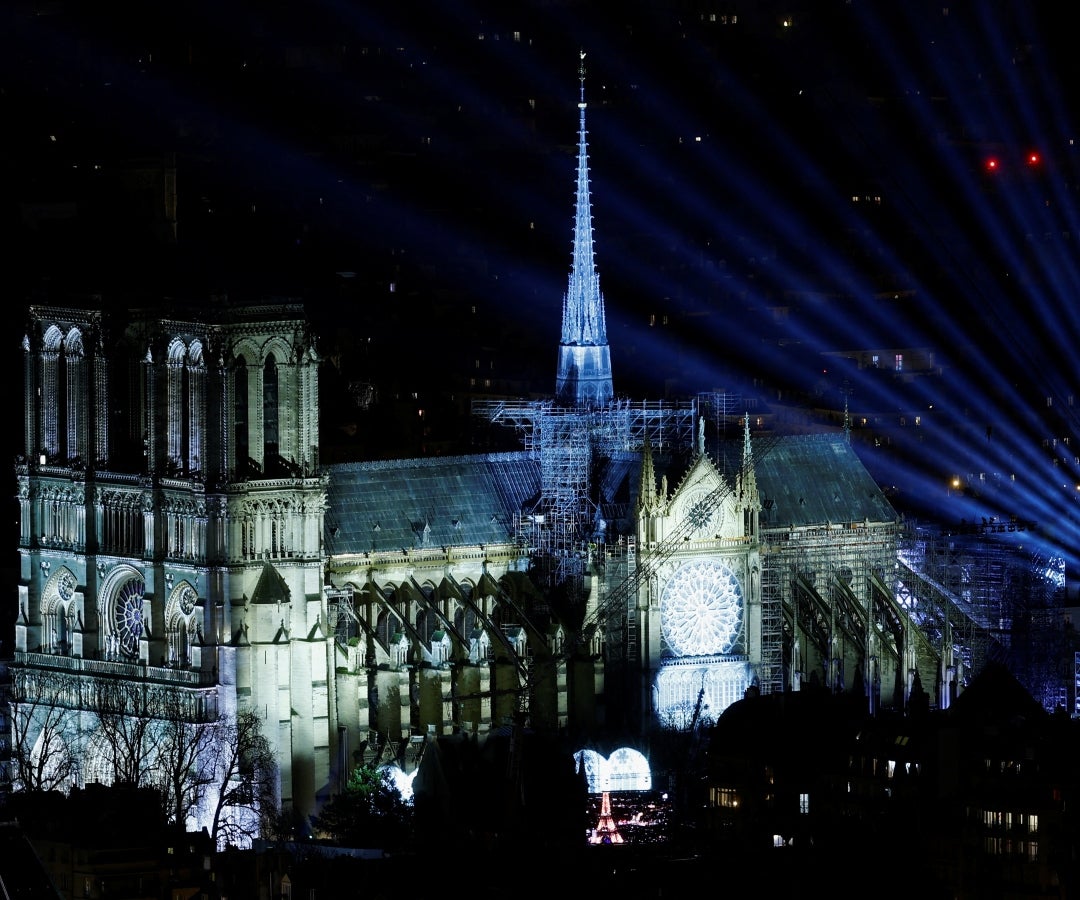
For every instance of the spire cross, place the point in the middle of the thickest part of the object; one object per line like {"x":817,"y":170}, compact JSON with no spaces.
{"x":581,"y":76}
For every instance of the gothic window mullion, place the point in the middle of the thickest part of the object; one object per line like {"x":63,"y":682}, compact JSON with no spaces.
{"x":196,"y":418}
{"x":175,"y":411}
{"x":49,"y":402}
{"x":73,"y":403}
{"x":101,"y":417}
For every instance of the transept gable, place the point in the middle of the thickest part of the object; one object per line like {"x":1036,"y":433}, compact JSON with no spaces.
{"x":704,"y":501}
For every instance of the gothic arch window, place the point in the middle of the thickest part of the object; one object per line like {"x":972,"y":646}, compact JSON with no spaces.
{"x":503,"y":613}
{"x":196,"y":404}
{"x":242,"y":449}
{"x":181,"y":624}
{"x":387,"y":626}
{"x":73,"y":372}
{"x":185,"y":392}
{"x":270,"y":410}
{"x":58,"y":612}
{"x":176,"y":402}
{"x":63,"y":394}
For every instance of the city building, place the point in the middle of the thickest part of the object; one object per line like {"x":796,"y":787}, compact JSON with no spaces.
{"x":979,"y":795}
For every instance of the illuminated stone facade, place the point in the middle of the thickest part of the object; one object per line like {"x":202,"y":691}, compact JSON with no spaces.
{"x":171,"y":517}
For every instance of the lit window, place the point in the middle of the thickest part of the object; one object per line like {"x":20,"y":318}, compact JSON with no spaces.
{"x":804,"y":804}
{"x":898,"y":363}
{"x":778,"y":840}
{"x":1033,"y":823}
{"x":725,"y":797}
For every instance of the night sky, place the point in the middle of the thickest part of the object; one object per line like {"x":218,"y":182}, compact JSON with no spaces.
{"x":406,"y":169}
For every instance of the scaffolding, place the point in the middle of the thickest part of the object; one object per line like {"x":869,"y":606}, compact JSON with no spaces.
{"x":984,"y":594}
{"x":821,"y":605}
{"x":567,"y":440}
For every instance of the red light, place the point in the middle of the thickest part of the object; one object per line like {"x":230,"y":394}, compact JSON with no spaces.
{"x":1034,"y":159}
{"x":992,"y":164}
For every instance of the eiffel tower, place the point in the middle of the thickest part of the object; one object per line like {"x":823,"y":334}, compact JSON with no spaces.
{"x":606,"y":832}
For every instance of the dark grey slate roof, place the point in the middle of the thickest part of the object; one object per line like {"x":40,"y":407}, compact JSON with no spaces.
{"x":804,"y":480}
{"x":815,"y":479}
{"x":271,"y":587}
{"x":436,"y":502}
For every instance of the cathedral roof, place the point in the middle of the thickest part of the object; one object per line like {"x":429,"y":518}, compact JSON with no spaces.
{"x":438,"y":502}
{"x":804,"y":481}
{"x":815,"y":479}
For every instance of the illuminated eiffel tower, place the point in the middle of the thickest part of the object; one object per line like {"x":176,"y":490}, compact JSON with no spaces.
{"x":606,"y":832}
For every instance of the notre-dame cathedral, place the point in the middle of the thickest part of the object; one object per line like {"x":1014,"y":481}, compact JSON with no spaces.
{"x":625,"y":570}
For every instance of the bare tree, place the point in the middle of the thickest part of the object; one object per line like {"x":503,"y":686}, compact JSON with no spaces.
{"x":243,"y":781}
{"x":44,"y":740}
{"x":127,"y":728}
{"x":184,"y":749}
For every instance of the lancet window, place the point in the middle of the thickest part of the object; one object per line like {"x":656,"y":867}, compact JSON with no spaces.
{"x":270,"y":410}
{"x":185,"y":388}
{"x":63,"y":395}
{"x":181,"y":625}
{"x":240,"y":414}
{"x":387,"y":627}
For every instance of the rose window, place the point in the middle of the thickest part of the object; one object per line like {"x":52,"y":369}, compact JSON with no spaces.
{"x":127,"y":617}
{"x":701,"y":609}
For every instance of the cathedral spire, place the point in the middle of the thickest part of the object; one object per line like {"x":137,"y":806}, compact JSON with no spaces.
{"x":584,"y":376}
